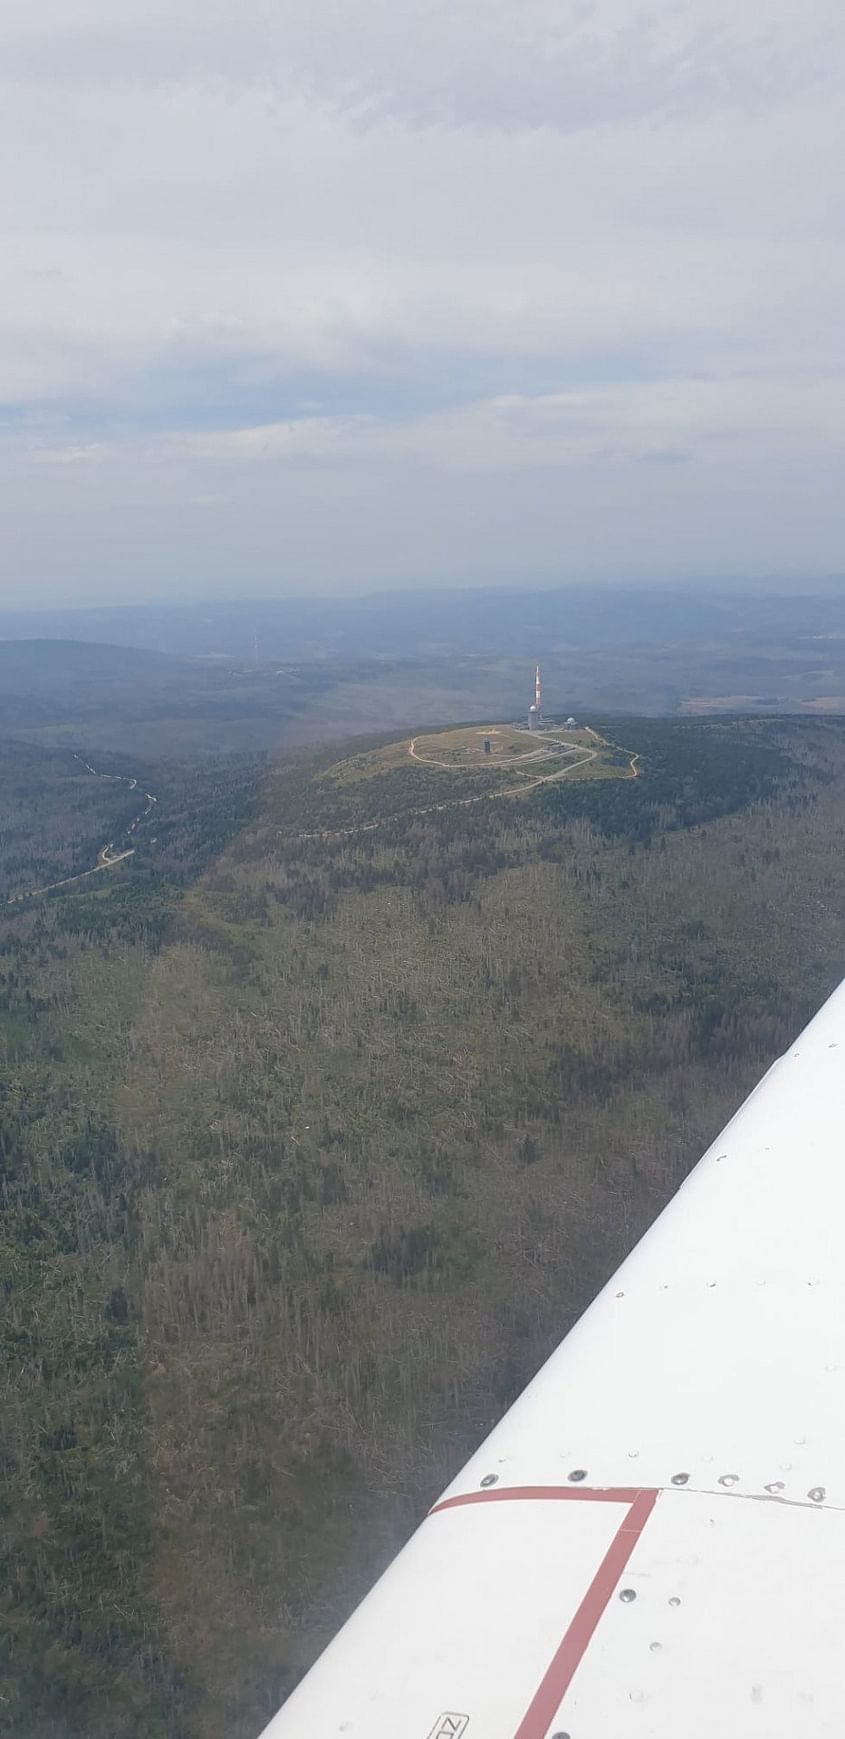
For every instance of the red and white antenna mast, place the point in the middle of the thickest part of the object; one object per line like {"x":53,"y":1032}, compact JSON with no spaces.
{"x":537,"y":688}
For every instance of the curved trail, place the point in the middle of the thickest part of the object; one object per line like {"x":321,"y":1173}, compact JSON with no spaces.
{"x":456,"y":802}
{"x":550,"y":742}
{"x":107,"y":857}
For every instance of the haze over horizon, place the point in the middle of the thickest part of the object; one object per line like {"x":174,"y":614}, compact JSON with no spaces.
{"x":320,"y":301}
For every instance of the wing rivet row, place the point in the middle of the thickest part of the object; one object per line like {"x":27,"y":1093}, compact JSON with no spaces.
{"x":655,"y":1647}
{"x":561,"y":1736}
{"x":490,"y":1479}
{"x":577,"y":1474}
{"x":817,"y":1493}
{"x":680,"y":1478}
{"x":674,"y":1600}
{"x":776,"y":1485}
{"x":627,"y":1595}
{"x":729,"y":1479}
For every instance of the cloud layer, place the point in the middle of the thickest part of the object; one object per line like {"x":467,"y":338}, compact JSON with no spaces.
{"x":320,"y":296}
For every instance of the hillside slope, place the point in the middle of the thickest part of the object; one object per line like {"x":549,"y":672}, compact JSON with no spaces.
{"x":316,"y":1136}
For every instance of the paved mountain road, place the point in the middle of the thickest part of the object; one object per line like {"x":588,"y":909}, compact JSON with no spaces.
{"x":455,"y":802}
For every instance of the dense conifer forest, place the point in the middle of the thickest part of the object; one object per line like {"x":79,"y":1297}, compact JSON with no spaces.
{"x":321,"y":1119}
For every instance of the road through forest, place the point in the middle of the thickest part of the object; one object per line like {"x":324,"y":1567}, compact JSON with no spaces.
{"x":107,"y":857}
{"x":478,"y":797}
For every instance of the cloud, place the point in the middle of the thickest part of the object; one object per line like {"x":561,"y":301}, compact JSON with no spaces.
{"x":501,"y":64}
{"x":415,"y":248}
{"x":632,"y":422}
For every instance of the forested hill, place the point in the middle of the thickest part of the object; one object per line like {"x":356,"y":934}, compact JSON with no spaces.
{"x":320,"y":1119}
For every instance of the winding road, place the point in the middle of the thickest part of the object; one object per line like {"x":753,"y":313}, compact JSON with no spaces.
{"x":478,"y":797}
{"x":550,"y":742}
{"x":107,"y":856}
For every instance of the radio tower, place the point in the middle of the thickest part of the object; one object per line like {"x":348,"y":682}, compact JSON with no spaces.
{"x":535,"y":712}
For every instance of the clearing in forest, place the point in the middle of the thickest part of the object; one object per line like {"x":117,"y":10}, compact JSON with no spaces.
{"x":526,"y":757}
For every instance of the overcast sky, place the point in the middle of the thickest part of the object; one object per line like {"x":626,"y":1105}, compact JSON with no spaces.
{"x":335,"y":295}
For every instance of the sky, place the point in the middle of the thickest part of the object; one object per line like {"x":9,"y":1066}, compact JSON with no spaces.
{"x":339,"y":295}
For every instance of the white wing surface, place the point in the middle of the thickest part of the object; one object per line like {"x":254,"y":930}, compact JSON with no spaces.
{"x":652,"y":1542}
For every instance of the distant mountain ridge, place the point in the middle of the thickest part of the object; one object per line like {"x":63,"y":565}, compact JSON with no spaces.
{"x":42,"y":659}
{"x":426,"y":622}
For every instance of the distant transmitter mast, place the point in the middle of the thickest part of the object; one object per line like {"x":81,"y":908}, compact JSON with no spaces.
{"x":535,"y":712}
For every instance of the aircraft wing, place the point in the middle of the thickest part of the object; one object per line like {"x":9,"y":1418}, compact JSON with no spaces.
{"x":652,"y":1541}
